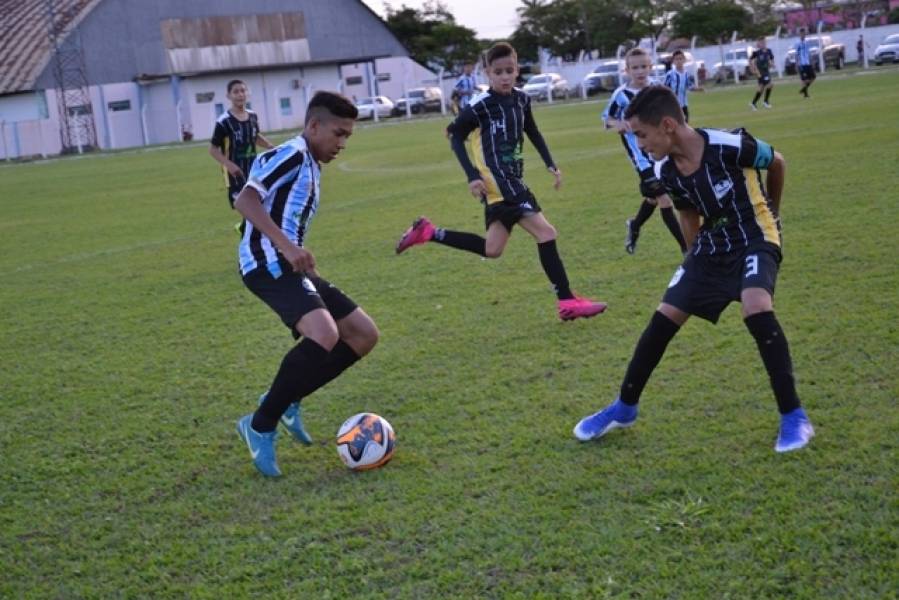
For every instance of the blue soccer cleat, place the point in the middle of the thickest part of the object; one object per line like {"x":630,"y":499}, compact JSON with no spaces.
{"x":292,"y":419}
{"x":261,"y":445}
{"x":617,"y":414}
{"x":795,"y":431}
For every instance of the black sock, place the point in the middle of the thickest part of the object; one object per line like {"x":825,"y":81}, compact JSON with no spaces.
{"x":775,"y":351}
{"x":767,"y":95}
{"x":646,"y":357}
{"x":299,"y":365}
{"x":554,"y":269}
{"x":673,"y":226}
{"x":461,"y":240}
{"x":341,"y":358}
{"x":756,"y":98}
{"x":643,"y":214}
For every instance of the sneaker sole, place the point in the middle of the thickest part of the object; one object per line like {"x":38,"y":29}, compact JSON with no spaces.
{"x":781,"y":449}
{"x":610,"y":427}
{"x":567,"y":317}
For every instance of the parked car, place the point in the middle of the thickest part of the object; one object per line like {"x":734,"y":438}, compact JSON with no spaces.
{"x":605,"y":77}
{"x":538,"y":85}
{"x":736,"y":58}
{"x":888,"y":50}
{"x":366,"y":107}
{"x":420,"y":100}
{"x":691,"y":65}
{"x":834,"y":54}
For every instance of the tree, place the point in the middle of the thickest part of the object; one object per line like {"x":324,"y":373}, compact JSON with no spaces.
{"x":432,"y":35}
{"x":712,"y":21}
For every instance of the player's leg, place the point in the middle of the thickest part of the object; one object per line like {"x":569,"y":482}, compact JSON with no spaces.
{"x":423,"y":231}
{"x":767,"y":101}
{"x":498,"y":235}
{"x":758,"y":94}
{"x":686,"y":110}
{"x":662,"y":327}
{"x":666,"y":209}
{"x":570,"y":306}
{"x":632,"y":226}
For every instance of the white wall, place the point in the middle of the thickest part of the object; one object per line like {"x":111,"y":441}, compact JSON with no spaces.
{"x":403,"y":72}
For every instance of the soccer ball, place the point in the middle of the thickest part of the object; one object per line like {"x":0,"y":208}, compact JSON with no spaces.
{"x":365,"y":441}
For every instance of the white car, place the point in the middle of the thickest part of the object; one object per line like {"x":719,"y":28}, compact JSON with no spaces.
{"x":605,"y":77}
{"x":888,"y":50}
{"x":737,"y":58}
{"x":538,"y":86}
{"x":366,"y":107}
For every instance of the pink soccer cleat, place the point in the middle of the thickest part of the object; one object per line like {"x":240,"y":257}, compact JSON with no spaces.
{"x":577,"y":307}
{"x":422,"y":231}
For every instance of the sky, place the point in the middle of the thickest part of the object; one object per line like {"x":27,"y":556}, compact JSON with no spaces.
{"x":489,"y":18}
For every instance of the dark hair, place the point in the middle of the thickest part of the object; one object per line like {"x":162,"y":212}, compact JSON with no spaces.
{"x":677,"y":53}
{"x":497,"y":51}
{"x":654,"y":103}
{"x":331,"y":103}
{"x":234,"y":82}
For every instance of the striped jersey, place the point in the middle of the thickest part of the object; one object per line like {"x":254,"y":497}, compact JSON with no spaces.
{"x":727,"y":191}
{"x":680,"y":82}
{"x":763,"y":58}
{"x":802,"y":53}
{"x":466,"y":87}
{"x":237,"y":141}
{"x":287,"y":177}
{"x":495,"y":125}
{"x":615,"y":109}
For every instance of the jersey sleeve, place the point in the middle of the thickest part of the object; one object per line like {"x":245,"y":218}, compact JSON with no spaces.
{"x":459,"y":130}
{"x":530,"y":128}
{"x":218,"y":135}
{"x":277,"y":167}
{"x":755,"y":154}
{"x":613,"y":109}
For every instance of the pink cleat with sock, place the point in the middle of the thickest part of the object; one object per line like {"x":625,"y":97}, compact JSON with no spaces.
{"x":577,"y":307}
{"x":422,"y":231}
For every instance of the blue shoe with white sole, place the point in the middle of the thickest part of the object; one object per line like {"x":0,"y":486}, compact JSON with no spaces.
{"x":261,"y":445}
{"x":292,"y":419}
{"x":795,"y":431}
{"x":614,"y":416}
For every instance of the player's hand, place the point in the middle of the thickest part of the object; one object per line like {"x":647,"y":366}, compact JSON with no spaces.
{"x":477,"y":188}
{"x":301,"y":260}
{"x":234,"y":170}
{"x":622,"y":127}
{"x":558,"y":175}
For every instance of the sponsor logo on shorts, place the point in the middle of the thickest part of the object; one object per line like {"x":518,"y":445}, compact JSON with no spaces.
{"x":677,"y":277}
{"x":309,"y":286}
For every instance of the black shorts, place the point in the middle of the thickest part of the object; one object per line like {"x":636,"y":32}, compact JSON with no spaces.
{"x":704,"y":285}
{"x":234,"y":187}
{"x":807,"y":73}
{"x":509,"y":212}
{"x":764,"y":79}
{"x":293,"y":295}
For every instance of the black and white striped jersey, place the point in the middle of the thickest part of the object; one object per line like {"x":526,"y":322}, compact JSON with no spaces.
{"x":287,"y":177}
{"x":727,"y":191}
{"x":495,"y":125}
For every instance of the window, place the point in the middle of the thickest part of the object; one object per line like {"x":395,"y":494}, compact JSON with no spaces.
{"x":119,"y":105}
{"x":354,"y":80}
{"x":286,"y":111}
{"x":77,"y":111}
{"x":204,"y":97}
{"x":219,"y":109}
{"x":383,"y":76}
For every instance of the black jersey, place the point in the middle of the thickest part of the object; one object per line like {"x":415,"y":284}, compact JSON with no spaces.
{"x":727,"y":191}
{"x":237,"y":141}
{"x":496,"y":124}
{"x":763,"y":59}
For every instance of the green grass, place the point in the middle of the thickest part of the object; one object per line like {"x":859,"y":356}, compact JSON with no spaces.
{"x":130,"y":347}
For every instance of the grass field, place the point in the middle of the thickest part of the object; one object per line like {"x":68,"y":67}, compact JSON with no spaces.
{"x":130,"y":347}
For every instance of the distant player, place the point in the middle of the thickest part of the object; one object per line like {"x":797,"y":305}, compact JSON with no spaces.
{"x":804,"y":63}
{"x":638,"y":66}
{"x":498,"y":120}
{"x":234,"y":139}
{"x":281,"y":197}
{"x":732,"y":223}
{"x":679,"y":81}
{"x":465,"y":87}
{"x":760,"y":62}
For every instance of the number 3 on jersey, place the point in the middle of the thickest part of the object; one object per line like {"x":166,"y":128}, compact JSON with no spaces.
{"x":752,"y":265}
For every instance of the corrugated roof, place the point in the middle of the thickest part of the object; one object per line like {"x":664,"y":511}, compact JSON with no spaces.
{"x":25,"y":45}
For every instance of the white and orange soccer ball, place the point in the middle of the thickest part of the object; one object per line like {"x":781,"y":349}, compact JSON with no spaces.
{"x":365,"y":441}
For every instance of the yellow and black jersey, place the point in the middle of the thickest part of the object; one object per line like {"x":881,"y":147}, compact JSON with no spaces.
{"x":237,"y":141}
{"x":727,"y":191}
{"x":495,"y":125}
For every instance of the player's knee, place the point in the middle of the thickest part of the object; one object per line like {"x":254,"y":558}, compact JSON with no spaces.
{"x":493,"y":251}
{"x":546,"y":234}
{"x":323,"y":334}
{"x":365,"y":338}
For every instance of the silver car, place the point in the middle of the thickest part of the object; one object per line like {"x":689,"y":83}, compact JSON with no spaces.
{"x":888,"y":50}
{"x":538,"y":86}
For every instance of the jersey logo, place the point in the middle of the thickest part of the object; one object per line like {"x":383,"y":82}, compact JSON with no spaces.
{"x":722,"y":188}
{"x":309,"y":286}
{"x":677,"y":277}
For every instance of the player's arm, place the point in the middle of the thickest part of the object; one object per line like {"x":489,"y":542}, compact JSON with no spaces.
{"x":774,"y":182}
{"x":263,"y":141}
{"x":458,"y":132}
{"x":753,"y":66}
{"x":533,"y":133}
{"x":249,"y":204}
{"x":215,"y":151}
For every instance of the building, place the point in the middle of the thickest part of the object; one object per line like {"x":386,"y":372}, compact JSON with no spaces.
{"x":81,"y":74}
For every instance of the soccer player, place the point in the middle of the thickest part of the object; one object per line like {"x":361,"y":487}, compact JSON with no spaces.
{"x":638,"y":66}
{"x":804,"y":63}
{"x":760,"y":63}
{"x":465,"y":86}
{"x":234,"y":139}
{"x":497,"y":119}
{"x":679,"y":81}
{"x":278,"y":202}
{"x":731,"y":219}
